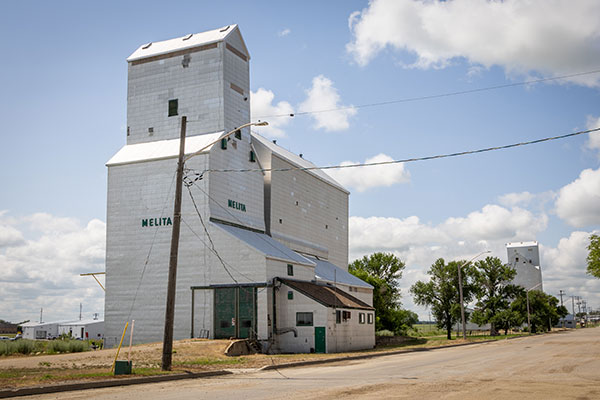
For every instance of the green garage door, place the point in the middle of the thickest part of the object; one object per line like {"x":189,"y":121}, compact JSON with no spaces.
{"x":235,"y":312}
{"x":246,"y":312}
{"x":225,"y":313}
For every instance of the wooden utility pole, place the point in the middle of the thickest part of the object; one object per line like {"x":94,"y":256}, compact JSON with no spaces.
{"x":171,"y":286}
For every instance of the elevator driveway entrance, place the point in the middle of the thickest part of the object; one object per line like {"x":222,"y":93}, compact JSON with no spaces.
{"x":234,"y":310}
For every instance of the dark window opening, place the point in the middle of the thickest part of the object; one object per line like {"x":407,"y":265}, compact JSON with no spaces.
{"x":252,"y":156}
{"x":369,"y":318}
{"x":290,"y":295}
{"x":173,"y":107}
{"x":246,"y":323}
{"x":224,"y":143}
{"x":361,"y":318}
{"x":290,"y":270}
{"x":225,"y":324}
{"x":238,"y":134}
{"x":304,"y":319}
{"x":338,"y":317}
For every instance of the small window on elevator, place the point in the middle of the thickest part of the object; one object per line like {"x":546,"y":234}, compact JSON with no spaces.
{"x":173,"y":107}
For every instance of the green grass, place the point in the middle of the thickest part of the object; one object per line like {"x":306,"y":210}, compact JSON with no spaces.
{"x":212,"y":361}
{"x":9,"y":374}
{"x":150,"y":371}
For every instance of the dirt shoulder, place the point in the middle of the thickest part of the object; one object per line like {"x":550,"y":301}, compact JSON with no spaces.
{"x":191,"y":355}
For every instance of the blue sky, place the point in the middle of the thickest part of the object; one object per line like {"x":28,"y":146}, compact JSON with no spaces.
{"x":63,"y":108}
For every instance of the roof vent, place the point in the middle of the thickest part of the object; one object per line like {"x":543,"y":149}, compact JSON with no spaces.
{"x":188,"y":36}
{"x":146,"y":46}
{"x":301,"y":155}
{"x":224,"y":29}
{"x":274,"y":141}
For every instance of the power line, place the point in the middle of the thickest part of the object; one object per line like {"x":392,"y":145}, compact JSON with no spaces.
{"x":434,"y":96}
{"x":406,"y":160}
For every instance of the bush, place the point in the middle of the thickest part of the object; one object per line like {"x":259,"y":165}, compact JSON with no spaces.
{"x":25,"y":346}
{"x":77,"y":346}
{"x":57,"y":346}
{"x":384,"y":332}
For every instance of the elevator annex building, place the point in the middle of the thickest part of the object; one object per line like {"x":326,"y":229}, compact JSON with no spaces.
{"x":263,"y":253}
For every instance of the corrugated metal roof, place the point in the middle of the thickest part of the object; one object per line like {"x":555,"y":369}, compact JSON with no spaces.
{"x":297,"y":160}
{"x":265,"y":244}
{"x":327,"y":295}
{"x":181,"y":43}
{"x":161,"y":149}
{"x":82,"y":322}
{"x":34,"y":324}
{"x":329,"y":272}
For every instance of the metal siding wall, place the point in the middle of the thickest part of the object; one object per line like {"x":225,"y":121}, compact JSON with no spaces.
{"x":319,"y":204}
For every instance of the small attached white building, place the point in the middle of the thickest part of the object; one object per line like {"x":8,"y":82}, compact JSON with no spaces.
{"x":317,"y":317}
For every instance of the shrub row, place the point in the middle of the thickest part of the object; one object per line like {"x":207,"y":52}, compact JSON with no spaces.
{"x":25,"y":346}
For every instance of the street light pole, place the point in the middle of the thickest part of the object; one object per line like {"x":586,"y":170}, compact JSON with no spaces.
{"x":171,"y":284}
{"x":460,"y":291}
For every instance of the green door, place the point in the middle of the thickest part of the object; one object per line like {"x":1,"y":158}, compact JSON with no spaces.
{"x":320,"y":339}
{"x":235,"y":312}
{"x":224,"y":306}
{"x":246,"y":312}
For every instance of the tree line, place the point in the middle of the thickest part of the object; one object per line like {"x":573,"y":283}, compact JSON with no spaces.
{"x":488,"y":282}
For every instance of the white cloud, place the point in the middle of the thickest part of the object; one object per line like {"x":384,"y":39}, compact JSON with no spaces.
{"x":10,"y":236}
{"x":44,"y":272}
{"x":578,"y":203}
{"x":550,"y":37}
{"x":284,"y":32}
{"x":322,"y":97}
{"x":261,"y":105}
{"x":515,"y":199}
{"x":593,"y":141}
{"x":491,"y":227}
{"x":494,"y":222}
{"x":363,"y":178}
{"x":419,"y":244}
{"x":564,"y":268}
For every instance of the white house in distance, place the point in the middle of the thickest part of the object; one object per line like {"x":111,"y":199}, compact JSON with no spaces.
{"x":83,"y":329}
{"x":77,"y":329}
{"x":263,"y":250}
{"x":40,"y":330}
{"x":524,"y":257}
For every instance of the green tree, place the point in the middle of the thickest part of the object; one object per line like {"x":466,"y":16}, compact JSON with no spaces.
{"x":494,"y":293}
{"x":441,"y":292}
{"x":383,"y":271}
{"x":544,"y":310}
{"x":506,"y":319}
{"x":593,"y":258}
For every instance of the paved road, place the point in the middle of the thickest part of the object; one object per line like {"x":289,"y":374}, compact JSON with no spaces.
{"x":558,"y":366}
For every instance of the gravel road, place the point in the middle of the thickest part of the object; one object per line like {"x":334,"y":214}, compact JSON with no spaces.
{"x":563,"y":365}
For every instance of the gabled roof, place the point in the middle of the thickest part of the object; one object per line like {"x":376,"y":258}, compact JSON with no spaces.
{"x":297,"y":160}
{"x":329,"y":272}
{"x":185,"y":42}
{"x":265,"y":244}
{"x":327,"y":295}
{"x":161,"y":149}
